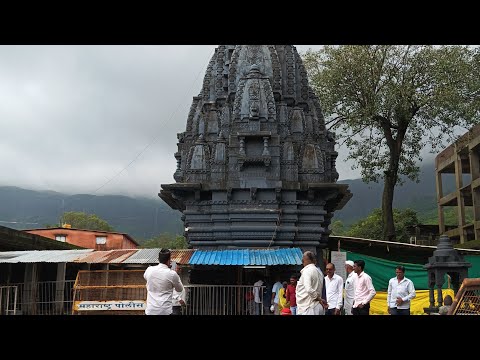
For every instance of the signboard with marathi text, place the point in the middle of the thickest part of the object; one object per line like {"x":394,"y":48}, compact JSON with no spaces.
{"x":338,"y":259}
{"x":110,"y":305}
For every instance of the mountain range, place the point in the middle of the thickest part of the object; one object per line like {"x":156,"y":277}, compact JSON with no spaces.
{"x":145,"y":218}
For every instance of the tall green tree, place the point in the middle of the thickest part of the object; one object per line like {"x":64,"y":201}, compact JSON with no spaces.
{"x":389,"y":102}
{"x":81,"y":220}
{"x":166,"y":240}
{"x":371,"y":226}
{"x":337,"y":227}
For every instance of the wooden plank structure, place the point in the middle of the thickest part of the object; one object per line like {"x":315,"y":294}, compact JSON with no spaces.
{"x":109,"y":292}
{"x":467,"y":300}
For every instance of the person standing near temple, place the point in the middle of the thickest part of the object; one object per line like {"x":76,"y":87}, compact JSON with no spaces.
{"x":275,"y":299}
{"x":309,"y":287}
{"x":258,"y":296}
{"x":349,"y":287}
{"x":291,"y":294}
{"x":334,"y":291}
{"x":161,"y":280}
{"x":364,"y":290}
{"x":400,"y":292}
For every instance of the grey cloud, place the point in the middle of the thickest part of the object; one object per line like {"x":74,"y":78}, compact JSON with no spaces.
{"x":71,"y":117}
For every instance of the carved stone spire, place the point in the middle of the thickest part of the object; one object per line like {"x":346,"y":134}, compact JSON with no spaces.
{"x":255,"y":140}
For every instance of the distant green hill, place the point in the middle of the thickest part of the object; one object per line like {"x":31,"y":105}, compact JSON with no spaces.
{"x":145,"y":218}
{"x":141,"y":218}
{"x":421,"y":197}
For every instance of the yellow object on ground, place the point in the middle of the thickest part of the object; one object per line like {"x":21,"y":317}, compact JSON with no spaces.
{"x":378,"y":306}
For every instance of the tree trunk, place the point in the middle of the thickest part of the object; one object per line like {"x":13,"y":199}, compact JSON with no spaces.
{"x":387,"y":207}
{"x":390,"y":180}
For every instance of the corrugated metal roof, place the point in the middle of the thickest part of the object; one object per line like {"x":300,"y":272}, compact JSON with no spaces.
{"x":289,"y":256}
{"x":45,"y":256}
{"x":150,"y":256}
{"x":181,"y":257}
{"x":106,"y":257}
{"x":144,"y":256}
{"x":7,"y":255}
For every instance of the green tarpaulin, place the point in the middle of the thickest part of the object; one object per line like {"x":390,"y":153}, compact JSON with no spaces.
{"x":474,"y":271}
{"x":382,"y":271}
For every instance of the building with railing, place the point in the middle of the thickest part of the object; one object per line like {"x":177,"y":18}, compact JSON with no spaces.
{"x":461,"y":160}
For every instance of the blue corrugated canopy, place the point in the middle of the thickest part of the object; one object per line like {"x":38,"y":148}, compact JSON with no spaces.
{"x":290,"y":256}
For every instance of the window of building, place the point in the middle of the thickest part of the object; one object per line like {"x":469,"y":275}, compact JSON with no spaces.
{"x":101,"y":240}
{"x":62,"y":238}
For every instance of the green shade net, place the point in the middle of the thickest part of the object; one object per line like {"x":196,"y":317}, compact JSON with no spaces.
{"x":381,"y":271}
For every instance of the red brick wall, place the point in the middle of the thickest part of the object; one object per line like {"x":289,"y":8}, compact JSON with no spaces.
{"x":87,"y":239}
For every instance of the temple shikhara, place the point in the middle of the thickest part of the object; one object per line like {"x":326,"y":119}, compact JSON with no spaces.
{"x":256,"y":164}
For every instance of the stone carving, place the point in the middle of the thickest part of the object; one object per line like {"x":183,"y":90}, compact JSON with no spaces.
{"x":254,"y":99}
{"x":253,"y":193}
{"x":225,"y":116}
{"x":213,"y":122}
{"x":208,"y":85}
{"x":289,"y":153}
{"x":200,"y":155}
{"x":303,"y":79}
{"x":297,"y":121}
{"x":256,"y":145}
{"x":290,"y":65}
{"x":201,"y":126}
{"x":310,"y":157}
{"x":220,"y":150}
{"x":254,"y":94}
{"x":219,"y":89}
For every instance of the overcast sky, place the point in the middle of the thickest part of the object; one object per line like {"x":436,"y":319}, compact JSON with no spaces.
{"x":72,"y":117}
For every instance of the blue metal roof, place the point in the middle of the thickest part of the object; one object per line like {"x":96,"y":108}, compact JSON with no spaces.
{"x":290,"y":256}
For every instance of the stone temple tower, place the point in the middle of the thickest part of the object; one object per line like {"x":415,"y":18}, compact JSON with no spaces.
{"x":256,"y":165}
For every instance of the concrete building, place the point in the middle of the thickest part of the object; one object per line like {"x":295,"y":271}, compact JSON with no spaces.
{"x":15,"y":240}
{"x":461,"y":160}
{"x":90,"y":239}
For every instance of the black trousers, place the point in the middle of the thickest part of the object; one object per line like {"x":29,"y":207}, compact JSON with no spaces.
{"x":365,"y":310}
{"x":395,"y":311}
{"x":330,"y":311}
{"x":176,"y":310}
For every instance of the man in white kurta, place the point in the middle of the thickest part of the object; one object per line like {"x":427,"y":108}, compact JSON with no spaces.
{"x":349,"y":287}
{"x":309,"y":287}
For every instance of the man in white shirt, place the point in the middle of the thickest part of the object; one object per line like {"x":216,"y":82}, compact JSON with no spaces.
{"x":400,"y":292}
{"x":309,"y":287}
{"x":161,"y":281}
{"x":349,"y":287}
{"x":334,"y":290}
